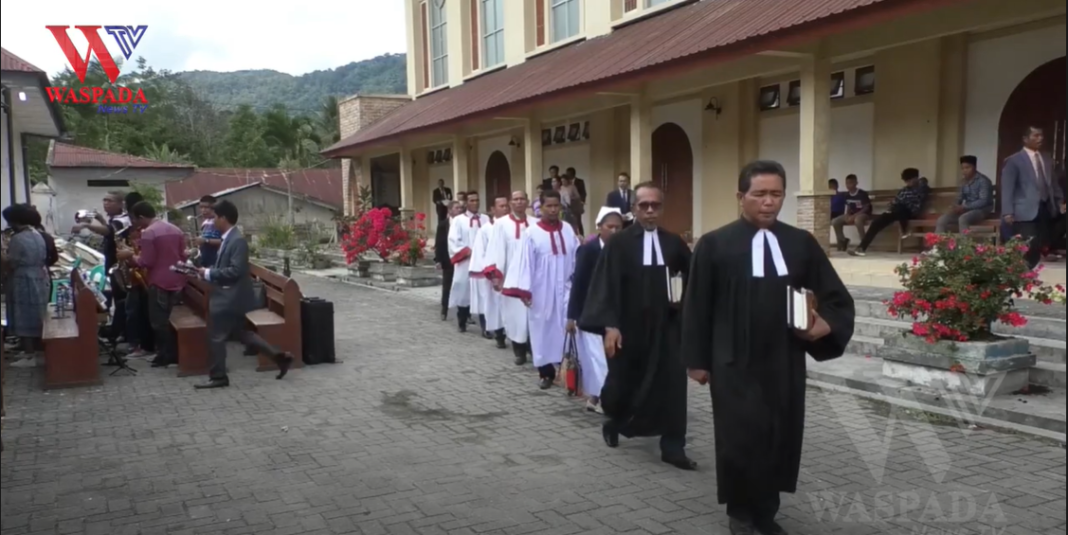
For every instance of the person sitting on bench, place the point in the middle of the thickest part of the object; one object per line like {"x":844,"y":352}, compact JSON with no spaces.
{"x":974,"y":203}
{"x":907,"y":205}
{"x":857,"y":212}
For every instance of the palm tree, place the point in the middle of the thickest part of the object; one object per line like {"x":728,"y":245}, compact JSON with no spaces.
{"x":163,"y":153}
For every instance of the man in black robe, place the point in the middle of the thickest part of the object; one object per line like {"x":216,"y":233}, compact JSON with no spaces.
{"x":629,"y":298}
{"x":736,"y":336}
{"x":441,"y":256}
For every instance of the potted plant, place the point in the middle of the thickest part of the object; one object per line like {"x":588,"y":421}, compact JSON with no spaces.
{"x":410,"y":251}
{"x":375,"y":234}
{"x":952,"y":296}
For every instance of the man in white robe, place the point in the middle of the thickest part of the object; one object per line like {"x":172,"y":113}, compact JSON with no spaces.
{"x":541,"y":279}
{"x":485,"y":301}
{"x":590,"y":341}
{"x":502,"y":251}
{"x":462,"y":233}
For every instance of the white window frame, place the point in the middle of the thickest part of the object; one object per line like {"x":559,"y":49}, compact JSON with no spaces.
{"x":439,"y":56}
{"x":656,"y":3}
{"x":564,"y":4}
{"x":491,"y":37}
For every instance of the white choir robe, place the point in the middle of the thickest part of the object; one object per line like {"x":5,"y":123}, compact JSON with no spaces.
{"x":463,"y":230}
{"x":542,"y":273}
{"x":484,"y":300}
{"x":501,"y":256}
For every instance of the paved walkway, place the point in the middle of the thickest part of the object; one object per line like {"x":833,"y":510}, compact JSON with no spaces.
{"x":425,"y":431}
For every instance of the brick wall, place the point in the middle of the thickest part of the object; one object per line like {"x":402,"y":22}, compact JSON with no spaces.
{"x":814,"y":215}
{"x":355,"y":113}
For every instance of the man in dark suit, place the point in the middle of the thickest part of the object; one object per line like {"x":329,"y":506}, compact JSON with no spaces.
{"x":231,"y":298}
{"x":580,"y":184}
{"x":442,"y":257}
{"x":1030,"y":198}
{"x":622,"y":198}
{"x":554,"y":174}
{"x":589,"y":340}
{"x":442,"y":198}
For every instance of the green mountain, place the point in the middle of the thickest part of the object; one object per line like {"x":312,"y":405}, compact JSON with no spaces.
{"x":263,"y":88}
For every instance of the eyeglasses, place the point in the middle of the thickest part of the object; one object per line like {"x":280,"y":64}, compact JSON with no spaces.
{"x":647,"y":206}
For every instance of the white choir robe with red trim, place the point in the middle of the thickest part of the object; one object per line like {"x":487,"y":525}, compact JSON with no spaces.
{"x":484,"y":300}
{"x":542,"y":273}
{"x":501,"y":255}
{"x":463,"y":230}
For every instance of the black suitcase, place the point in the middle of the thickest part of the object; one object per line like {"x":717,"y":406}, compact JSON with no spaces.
{"x":317,"y":331}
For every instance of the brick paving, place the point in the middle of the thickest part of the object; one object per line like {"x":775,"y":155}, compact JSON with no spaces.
{"x":425,"y":431}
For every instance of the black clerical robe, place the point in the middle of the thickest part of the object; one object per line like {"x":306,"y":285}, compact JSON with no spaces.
{"x":735,"y":327}
{"x":645,"y":392}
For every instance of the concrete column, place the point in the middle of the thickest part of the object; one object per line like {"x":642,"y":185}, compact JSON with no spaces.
{"x":457,"y":38}
{"x":954,"y":67}
{"x":532,"y":156}
{"x":813,"y":198}
{"x":641,"y":139}
{"x":461,"y":156}
{"x":407,"y":178}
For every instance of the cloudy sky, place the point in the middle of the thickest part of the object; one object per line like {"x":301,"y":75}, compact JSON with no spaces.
{"x":218,"y":35}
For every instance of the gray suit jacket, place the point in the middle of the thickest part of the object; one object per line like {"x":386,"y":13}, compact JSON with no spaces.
{"x":1020,"y":196}
{"x":231,"y":292}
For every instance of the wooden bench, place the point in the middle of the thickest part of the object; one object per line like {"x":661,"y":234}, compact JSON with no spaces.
{"x":71,"y":350}
{"x":279,"y":324}
{"x":190,"y":324}
{"x":939,"y":203}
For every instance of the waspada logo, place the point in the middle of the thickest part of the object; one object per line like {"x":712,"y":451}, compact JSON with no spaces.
{"x":127,"y":37}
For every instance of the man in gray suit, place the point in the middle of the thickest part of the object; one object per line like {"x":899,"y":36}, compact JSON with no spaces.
{"x":231,"y":298}
{"x":1030,"y":198}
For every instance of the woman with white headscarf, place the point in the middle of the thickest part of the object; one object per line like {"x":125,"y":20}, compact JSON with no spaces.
{"x":590,"y":343}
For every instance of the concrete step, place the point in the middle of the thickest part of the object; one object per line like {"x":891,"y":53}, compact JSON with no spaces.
{"x":1037,"y":326}
{"x":869,"y":328}
{"x":1039,"y":414}
{"x":1049,"y":374}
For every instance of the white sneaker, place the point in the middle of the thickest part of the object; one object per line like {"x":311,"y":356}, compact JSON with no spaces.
{"x":593,"y":407}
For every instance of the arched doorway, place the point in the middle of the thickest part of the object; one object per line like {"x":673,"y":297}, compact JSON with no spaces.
{"x":1039,"y":101}
{"x":673,"y":171}
{"x":498,"y":177}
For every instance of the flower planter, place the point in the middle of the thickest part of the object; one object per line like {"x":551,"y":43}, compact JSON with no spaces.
{"x":383,"y":271}
{"x":360,"y":269}
{"x":417,"y":276}
{"x":974,"y":368}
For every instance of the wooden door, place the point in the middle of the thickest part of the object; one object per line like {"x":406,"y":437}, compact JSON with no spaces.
{"x":673,"y":172}
{"x":498,"y":178}
{"x":1038,"y":101}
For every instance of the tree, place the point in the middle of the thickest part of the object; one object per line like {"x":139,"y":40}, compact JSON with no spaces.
{"x":163,"y":153}
{"x":245,"y":143}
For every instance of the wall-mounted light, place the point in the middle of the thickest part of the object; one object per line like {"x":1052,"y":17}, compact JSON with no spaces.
{"x":22,"y":96}
{"x":513,"y":142}
{"x":713,"y":106}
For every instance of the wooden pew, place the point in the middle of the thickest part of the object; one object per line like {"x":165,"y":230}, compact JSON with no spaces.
{"x":72,"y":353}
{"x":279,"y":324}
{"x":938,"y":204}
{"x":190,"y":324}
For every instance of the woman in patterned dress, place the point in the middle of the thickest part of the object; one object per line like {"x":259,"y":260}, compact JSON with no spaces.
{"x":27,"y":281}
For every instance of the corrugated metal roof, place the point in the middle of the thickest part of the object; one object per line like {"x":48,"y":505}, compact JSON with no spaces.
{"x":11,"y":62}
{"x":67,"y":155}
{"x":690,"y":32}
{"x":323,"y":185}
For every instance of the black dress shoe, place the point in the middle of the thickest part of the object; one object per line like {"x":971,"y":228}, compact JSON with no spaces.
{"x":520,"y":360}
{"x":770,"y":528}
{"x":487,"y":335}
{"x":741,"y":528}
{"x":462,"y":329}
{"x":611,"y":436}
{"x":284,"y":362}
{"x":444,"y":316}
{"x":545,"y":383}
{"x":213,"y":384}
{"x":680,"y":461}
{"x":501,"y":344}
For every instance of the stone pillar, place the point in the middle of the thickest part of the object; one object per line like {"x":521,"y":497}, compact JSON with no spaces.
{"x":354,"y":113}
{"x":461,"y":156}
{"x":351,"y":178}
{"x":813,"y":198}
{"x":407,"y":178}
{"x":532,"y":152}
{"x":641,"y":139}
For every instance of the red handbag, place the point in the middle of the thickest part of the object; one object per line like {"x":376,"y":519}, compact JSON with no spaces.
{"x":572,"y":369}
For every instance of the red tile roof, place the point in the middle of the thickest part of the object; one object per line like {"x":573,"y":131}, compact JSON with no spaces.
{"x":681,"y":39}
{"x":67,"y":155}
{"x":323,"y":185}
{"x":11,"y":62}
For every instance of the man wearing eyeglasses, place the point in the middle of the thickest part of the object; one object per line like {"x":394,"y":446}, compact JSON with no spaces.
{"x":635,"y":297}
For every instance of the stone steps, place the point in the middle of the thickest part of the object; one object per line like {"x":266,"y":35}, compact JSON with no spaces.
{"x":1046,"y":349}
{"x":1038,"y":414}
{"x":1037,"y":326}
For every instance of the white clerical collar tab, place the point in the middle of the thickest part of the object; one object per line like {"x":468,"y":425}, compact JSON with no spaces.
{"x":762,"y":237}
{"x":652,"y":243}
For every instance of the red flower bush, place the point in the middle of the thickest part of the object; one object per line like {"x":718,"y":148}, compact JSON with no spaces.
{"x":378,"y":232}
{"x":962,"y":287}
